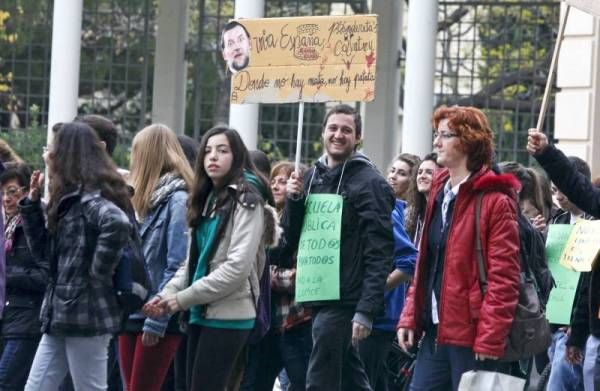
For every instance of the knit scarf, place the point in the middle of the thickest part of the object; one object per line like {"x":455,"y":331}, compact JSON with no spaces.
{"x":9,"y":231}
{"x":167,"y":184}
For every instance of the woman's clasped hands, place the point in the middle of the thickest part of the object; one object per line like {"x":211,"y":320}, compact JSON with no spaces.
{"x":160,"y":306}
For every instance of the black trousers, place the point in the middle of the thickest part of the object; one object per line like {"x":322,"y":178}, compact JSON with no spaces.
{"x":373,"y":353}
{"x":212,"y":354}
{"x":334,"y":363}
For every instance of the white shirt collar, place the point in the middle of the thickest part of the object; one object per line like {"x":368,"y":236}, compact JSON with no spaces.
{"x":454,"y":189}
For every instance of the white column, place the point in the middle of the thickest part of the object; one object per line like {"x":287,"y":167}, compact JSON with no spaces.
{"x":64,"y":65}
{"x":420,"y":73}
{"x":577,"y":105}
{"x":244,"y":117}
{"x":380,"y":123}
{"x":170,"y":70}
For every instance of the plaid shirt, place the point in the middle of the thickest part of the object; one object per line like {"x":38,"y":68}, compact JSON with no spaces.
{"x":286,"y":312}
{"x":80,"y":298}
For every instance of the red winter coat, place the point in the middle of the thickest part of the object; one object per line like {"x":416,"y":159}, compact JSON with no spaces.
{"x":466,"y":318}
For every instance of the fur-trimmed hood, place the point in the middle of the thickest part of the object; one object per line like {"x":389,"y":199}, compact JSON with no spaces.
{"x":273,"y":230}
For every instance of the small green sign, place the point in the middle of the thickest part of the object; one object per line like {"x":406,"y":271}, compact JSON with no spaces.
{"x":318,"y":262}
{"x":558,"y":310}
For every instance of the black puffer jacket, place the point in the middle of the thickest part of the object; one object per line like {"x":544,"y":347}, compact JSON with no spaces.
{"x":582,"y":193}
{"x":26,"y":279}
{"x":367,"y":242}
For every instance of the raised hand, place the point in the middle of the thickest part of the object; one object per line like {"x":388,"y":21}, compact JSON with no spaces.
{"x":36,"y":184}
{"x":294,"y":185}
{"x":536,"y":142}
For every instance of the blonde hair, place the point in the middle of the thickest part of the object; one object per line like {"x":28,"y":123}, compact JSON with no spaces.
{"x":155,"y":152}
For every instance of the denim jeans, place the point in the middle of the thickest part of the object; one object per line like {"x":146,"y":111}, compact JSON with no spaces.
{"x":15,"y":363}
{"x":83,"y":357}
{"x":290,"y":350}
{"x":284,"y":380}
{"x":564,"y":376}
{"x":439,"y":368}
{"x":113,"y":371}
{"x":592,"y":348}
{"x":597,"y":373}
{"x":334,"y":362}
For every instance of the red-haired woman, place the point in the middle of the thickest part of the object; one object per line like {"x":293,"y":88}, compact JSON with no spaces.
{"x":460,"y":324}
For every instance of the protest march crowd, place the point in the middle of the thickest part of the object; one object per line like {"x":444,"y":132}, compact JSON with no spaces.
{"x":208,"y":267}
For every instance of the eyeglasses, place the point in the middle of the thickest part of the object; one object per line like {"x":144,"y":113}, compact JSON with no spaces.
{"x":444,"y":135}
{"x":13,"y":192}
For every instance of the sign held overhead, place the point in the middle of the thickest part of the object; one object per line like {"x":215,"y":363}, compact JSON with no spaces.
{"x":302,"y":59}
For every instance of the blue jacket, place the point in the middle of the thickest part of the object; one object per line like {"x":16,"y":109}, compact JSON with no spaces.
{"x":2,"y":257}
{"x":164,"y":234}
{"x":405,"y":258}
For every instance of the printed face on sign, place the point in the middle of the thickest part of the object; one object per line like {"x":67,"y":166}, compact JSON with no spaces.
{"x":235,"y":44}
{"x":339,"y":137}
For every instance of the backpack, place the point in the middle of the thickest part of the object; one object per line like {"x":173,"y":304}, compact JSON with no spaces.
{"x":131,"y":279}
{"x":530,"y":332}
{"x":262,"y":323}
{"x":532,"y":253}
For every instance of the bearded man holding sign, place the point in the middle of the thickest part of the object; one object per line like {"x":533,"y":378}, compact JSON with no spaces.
{"x":345,"y":276}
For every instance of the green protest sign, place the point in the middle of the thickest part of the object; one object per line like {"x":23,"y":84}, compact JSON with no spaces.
{"x":318,"y":261}
{"x":559,"y":306}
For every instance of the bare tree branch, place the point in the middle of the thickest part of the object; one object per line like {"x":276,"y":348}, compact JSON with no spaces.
{"x":452,"y":19}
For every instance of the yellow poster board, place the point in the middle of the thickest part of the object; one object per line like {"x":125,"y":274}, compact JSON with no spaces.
{"x":582,"y":247}
{"x":302,"y":59}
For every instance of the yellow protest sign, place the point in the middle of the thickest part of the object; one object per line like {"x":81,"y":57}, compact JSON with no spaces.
{"x":582,"y":247}
{"x":303,"y":59}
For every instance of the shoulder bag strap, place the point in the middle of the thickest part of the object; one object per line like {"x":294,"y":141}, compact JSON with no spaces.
{"x":478,"y":245}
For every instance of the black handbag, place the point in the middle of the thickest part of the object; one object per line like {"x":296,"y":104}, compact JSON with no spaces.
{"x":530,"y":332}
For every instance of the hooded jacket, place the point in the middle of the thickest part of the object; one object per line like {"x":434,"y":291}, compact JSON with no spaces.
{"x":367,"y":242}
{"x":230,"y":289}
{"x":466,"y":317}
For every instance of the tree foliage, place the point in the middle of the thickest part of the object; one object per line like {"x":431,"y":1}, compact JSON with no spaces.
{"x":496,"y":56}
